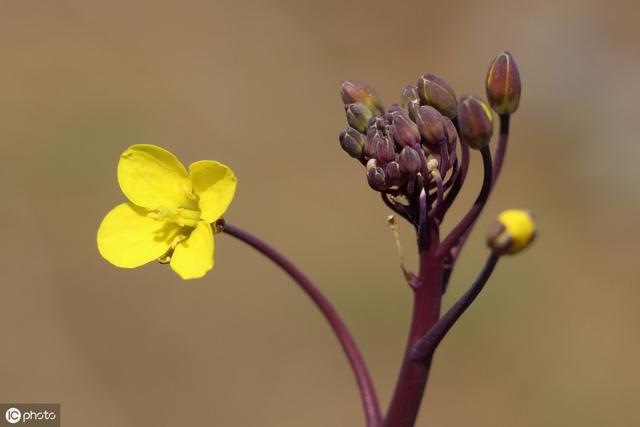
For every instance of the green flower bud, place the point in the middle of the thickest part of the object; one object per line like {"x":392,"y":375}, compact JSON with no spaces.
{"x":503,"y":84}
{"x":352,"y":142}
{"x":475,"y":121}
{"x":355,"y":92}
{"x":513,"y":231}
{"x":431,"y":125}
{"x":404,"y":131}
{"x":409,"y":161}
{"x":358,"y":116}
{"x":439,"y":94}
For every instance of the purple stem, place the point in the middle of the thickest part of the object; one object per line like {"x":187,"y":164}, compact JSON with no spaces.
{"x":412,"y":379}
{"x":500,"y":153}
{"x":467,"y":221}
{"x":501,"y":148}
{"x":437,"y":210}
{"x":365,"y":384}
{"x":458,"y":179}
{"x":413,"y":375}
{"x":425,"y":347}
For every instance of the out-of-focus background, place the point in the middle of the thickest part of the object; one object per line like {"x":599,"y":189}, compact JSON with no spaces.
{"x":552,"y":341}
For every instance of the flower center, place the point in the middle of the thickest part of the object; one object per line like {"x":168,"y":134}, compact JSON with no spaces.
{"x":181,"y":216}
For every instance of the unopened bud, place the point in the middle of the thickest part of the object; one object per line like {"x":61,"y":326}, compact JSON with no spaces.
{"x":358,"y":116}
{"x":404,"y":131}
{"x":503,"y":84}
{"x":371,"y":163}
{"x":356,"y":92}
{"x":380,"y":124}
{"x":475,"y":121}
{"x":393,"y":173}
{"x":431,"y":125}
{"x":352,"y":142}
{"x":409,"y":161}
{"x":396,"y":108}
{"x":439,"y":94}
{"x":450,"y":129}
{"x":410,"y":100}
{"x":385,"y":150}
{"x":371,"y":144}
{"x":376,"y":178}
{"x":513,"y":231}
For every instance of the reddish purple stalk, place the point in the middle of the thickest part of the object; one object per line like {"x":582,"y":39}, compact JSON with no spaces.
{"x":425,"y":347}
{"x":365,"y":384}
{"x":412,"y":379}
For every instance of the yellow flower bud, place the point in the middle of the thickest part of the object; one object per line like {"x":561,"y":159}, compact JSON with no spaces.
{"x":513,"y":231}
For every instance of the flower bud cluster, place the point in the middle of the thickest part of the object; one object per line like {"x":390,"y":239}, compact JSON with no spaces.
{"x":413,"y":145}
{"x":395,"y":143}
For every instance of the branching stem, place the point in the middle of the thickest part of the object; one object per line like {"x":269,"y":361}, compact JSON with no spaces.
{"x":425,"y":347}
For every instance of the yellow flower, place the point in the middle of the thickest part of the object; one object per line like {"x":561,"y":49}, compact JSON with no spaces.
{"x":169,"y":214}
{"x":512,"y":232}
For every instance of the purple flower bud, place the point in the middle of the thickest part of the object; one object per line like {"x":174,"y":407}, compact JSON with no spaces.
{"x":396,"y":108}
{"x":404,"y":131}
{"x":431,"y":125}
{"x":352,"y":142}
{"x":371,"y":144}
{"x":503,"y":84}
{"x":356,"y":92}
{"x":409,"y":161}
{"x":358,"y":116}
{"x":450,"y":129}
{"x":439,"y":94}
{"x":393,"y":173}
{"x":476,"y":122}
{"x":380,"y":124}
{"x":385,"y":150}
{"x":376,"y":178}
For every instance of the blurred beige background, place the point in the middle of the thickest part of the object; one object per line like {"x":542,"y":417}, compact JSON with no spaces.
{"x":554,"y":339}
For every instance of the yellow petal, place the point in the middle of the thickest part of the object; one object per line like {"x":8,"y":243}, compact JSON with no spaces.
{"x":152,"y":177}
{"x":194,"y":257}
{"x":128,"y":238}
{"x":519,"y":226}
{"x":215,"y":184}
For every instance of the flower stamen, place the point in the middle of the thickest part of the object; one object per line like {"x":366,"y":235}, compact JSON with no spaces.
{"x":176,"y":240}
{"x":181,"y":216}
